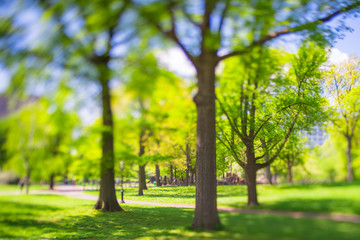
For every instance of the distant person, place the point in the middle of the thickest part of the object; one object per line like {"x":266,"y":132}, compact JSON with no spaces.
{"x":117,"y":181}
{"x":66,"y":180}
{"x":21,"y":183}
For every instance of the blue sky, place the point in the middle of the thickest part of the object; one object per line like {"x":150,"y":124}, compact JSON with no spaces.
{"x":351,"y":42}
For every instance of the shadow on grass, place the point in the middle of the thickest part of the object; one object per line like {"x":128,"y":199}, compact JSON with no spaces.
{"x":19,"y":216}
{"x":158,"y":222}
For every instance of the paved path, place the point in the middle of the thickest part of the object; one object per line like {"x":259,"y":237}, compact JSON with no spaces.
{"x":76,"y":192}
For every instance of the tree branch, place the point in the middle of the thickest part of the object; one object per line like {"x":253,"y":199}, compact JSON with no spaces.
{"x":262,"y":165}
{"x":271,"y":116}
{"x":230,"y":147}
{"x":232,"y":124}
{"x":223,"y":15}
{"x":286,"y":31}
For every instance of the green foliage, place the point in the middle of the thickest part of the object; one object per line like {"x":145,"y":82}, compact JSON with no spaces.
{"x":267,"y":97}
{"x":342,"y":84}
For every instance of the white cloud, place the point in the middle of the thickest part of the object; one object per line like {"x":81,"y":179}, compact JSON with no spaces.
{"x":176,"y":61}
{"x":336,"y":56}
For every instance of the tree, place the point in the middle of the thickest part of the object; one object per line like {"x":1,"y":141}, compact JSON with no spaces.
{"x":202,"y":29}
{"x":63,"y":121}
{"x":28,"y":140}
{"x":262,"y":105}
{"x":292,"y":154}
{"x":342,"y":83}
{"x":153,"y":92}
{"x":88,"y":52}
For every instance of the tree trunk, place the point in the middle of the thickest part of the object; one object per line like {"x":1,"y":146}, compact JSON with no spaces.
{"x":142,"y":179}
{"x":267,"y":171}
{"x":171,"y":174}
{"x":350,"y":171}
{"x":274,"y":180}
{"x":250,"y":172}
{"x":141,"y":173}
{"x":289,"y":171}
{"x":157,"y":175}
{"x":52,"y":181}
{"x":188,"y":165}
{"x":27,"y":177}
{"x":175,"y":172}
{"x":107,"y":199}
{"x":206,"y":214}
{"x":192,"y":175}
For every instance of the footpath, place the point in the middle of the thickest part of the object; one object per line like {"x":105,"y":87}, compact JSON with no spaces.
{"x":77,"y":192}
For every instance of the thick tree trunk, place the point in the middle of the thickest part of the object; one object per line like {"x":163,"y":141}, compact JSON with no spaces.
{"x":350,"y":171}
{"x":142,"y":179}
{"x":52,"y":181}
{"x":206,"y":214}
{"x":141,"y":173}
{"x":175,"y":172}
{"x":250,"y":172}
{"x":171,"y":174}
{"x":107,"y":199}
{"x":157,"y":175}
{"x":289,"y":171}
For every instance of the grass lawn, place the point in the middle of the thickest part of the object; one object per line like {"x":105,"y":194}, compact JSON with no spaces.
{"x":327,"y":198}
{"x":45,"y":216}
{"x":15,"y":187}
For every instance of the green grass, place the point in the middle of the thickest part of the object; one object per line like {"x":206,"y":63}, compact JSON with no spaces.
{"x":14,"y":187}
{"x":327,"y":198}
{"x":49,"y":216}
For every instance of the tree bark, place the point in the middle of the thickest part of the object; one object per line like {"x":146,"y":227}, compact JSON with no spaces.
{"x":275,"y":176}
{"x":142,"y":179}
{"x":289,"y":171}
{"x":267,"y":171}
{"x":171,"y":174}
{"x":350,"y":171}
{"x":250,"y":173}
{"x":27,"y":177}
{"x":192,"y":175}
{"x":141,"y":173}
{"x":268,"y":174}
{"x":157,"y":175}
{"x":188,"y":165}
{"x":52,"y":181}
{"x":107,"y":199}
{"x":206,"y":214}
